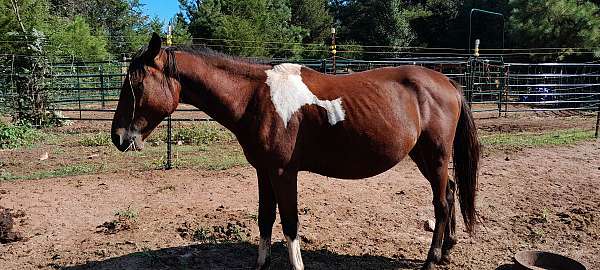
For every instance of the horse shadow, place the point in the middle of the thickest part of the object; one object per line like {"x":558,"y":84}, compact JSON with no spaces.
{"x":239,"y":256}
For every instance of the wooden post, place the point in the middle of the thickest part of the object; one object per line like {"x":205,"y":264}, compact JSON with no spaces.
{"x":169,"y":163}
{"x":333,"y":50}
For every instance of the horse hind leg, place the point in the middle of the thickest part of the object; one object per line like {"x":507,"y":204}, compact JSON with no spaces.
{"x":432,"y":159}
{"x":450,"y":233}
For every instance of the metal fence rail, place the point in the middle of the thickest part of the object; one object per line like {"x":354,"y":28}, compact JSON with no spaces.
{"x":90,"y":90}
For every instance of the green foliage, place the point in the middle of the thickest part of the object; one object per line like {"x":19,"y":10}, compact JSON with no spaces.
{"x":180,"y":32}
{"x":556,"y":23}
{"x":379,"y":22}
{"x":128,"y":213}
{"x":312,"y":15}
{"x":253,"y":22}
{"x":75,"y":38}
{"x":31,"y":103}
{"x":350,"y":50}
{"x":16,"y":136}
{"x":436,"y":16}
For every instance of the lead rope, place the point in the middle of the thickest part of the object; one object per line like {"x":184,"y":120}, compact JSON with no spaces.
{"x":133,"y":94}
{"x":132,"y":143}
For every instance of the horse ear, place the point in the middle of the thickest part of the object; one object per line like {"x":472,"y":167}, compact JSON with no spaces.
{"x":153,"y":47}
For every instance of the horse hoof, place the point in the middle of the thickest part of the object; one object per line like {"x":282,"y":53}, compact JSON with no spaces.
{"x":445,"y":259}
{"x":435,"y":255}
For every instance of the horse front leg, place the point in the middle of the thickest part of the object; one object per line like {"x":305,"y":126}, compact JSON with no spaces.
{"x":285,"y":186}
{"x":266,"y":217}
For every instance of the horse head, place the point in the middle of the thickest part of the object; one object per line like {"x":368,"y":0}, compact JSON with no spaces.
{"x":149,"y":93}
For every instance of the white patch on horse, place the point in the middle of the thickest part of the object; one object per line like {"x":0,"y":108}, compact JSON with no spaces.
{"x":294,"y":253}
{"x":289,"y":94}
{"x":264,"y":249}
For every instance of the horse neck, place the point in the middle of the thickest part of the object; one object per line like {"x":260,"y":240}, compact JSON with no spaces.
{"x":221,"y":87}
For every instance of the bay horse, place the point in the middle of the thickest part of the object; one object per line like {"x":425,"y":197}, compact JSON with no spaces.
{"x":289,"y":118}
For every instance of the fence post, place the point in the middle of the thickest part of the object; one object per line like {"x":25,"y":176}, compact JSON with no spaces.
{"x":78,"y":90}
{"x":169,"y":163}
{"x":598,"y":120}
{"x":102,"y":86}
{"x":333,"y":50}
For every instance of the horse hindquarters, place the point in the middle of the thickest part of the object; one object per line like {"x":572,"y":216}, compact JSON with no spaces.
{"x":432,"y":155}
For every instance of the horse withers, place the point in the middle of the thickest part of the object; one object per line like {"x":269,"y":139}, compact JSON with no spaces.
{"x":289,"y":118}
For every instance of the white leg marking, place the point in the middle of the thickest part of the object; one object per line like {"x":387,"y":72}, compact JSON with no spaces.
{"x":289,"y":94}
{"x":264,"y":250}
{"x":294,"y":252}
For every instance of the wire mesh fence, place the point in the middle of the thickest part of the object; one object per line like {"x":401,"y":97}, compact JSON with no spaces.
{"x":90,"y":90}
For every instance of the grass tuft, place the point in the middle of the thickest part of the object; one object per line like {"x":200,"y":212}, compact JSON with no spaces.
{"x":98,"y":139}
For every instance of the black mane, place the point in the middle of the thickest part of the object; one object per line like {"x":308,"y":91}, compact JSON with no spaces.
{"x":138,"y":63}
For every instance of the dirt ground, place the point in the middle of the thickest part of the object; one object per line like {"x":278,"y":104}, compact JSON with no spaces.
{"x":545,"y":198}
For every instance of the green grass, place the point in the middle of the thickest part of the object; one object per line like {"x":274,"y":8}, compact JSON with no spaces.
{"x":17,"y":136}
{"x":68,"y":170}
{"x":94,"y":140}
{"x":528,"y":139}
{"x":215,"y":158}
{"x":203,"y":134}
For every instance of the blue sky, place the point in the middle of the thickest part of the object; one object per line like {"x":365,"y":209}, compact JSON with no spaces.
{"x":164,"y":9}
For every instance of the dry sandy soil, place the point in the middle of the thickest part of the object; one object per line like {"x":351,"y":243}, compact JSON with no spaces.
{"x":544,"y":198}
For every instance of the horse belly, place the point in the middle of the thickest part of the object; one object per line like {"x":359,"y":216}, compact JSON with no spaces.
{"x":355,"y":158}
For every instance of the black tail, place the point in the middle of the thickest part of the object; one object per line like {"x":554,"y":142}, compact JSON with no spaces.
{"x":466,"y":162}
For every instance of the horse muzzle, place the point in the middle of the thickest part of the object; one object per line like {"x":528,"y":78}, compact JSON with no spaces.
{"x":126,"y":140}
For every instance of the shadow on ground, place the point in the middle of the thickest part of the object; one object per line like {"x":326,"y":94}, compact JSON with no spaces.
{"x":240,"y":256}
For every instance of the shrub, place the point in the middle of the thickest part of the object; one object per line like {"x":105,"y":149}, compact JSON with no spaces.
{"x":15,"y":136}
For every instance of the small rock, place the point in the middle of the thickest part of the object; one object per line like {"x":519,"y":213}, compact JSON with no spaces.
{"x":429,"y":225}
{"x":179,"y":142}
{"x":506,"y":159}
{"x":44,"y":156}
{"x":93,"y":156}
{"x":100,"y":252}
